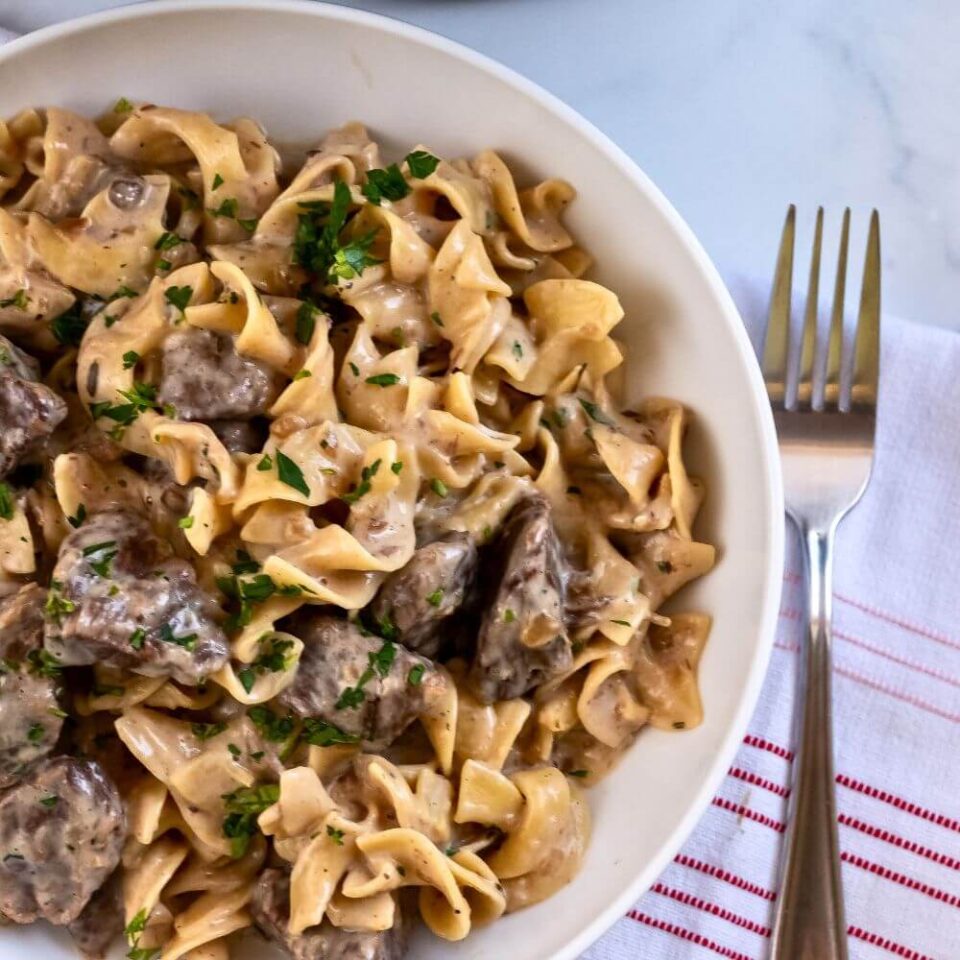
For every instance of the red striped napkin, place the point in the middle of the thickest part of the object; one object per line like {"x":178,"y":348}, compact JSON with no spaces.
{"x":896,"y":711}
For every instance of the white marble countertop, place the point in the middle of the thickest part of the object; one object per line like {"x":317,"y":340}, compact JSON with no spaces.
{"x":738,"y":107}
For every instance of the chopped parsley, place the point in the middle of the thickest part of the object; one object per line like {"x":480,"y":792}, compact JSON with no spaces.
{"x":316,"y":243}
{"x":388,"y":184}
{"x":291,"y":474}
{"x":130,"y":359}
{"x":319,"y":733}
{"x":509,"y":616}
{"x":178,"y":296}
{"x":272,"y":659}
{"x":6,"y":502}
{"x":435,"y":598}
{"x":185,"y":523}
{"x":421,"y":163}
{"x":227,"y":208}
{"x":383,"y":380}
{"x":363,"y":487}
{"x":245,"y":564}
{"x":518,"y":349}
{"x":243,"y":806}
{"x":623,"y":623}
{"x":438,"y":487}
{"x":354,"y":369}
{"x":435,"y":317}
{"x":579,"y":773}
{"x":100,"y":556}
{"x":335,"y":835}
{"x":302,"y":375}
{"x":273,"y":728}
{"x":137,"y":638}
{"x":665,"y":566}
{"x":167,"y":241}
{"x":49,"y":801}
{"x":42,"y":662}
{"x":20,"y":300}
{"x":595,"y":413}
{"x":35,"y":733}
{"x":69,"y":326}
{"x":235,"y":751}
{"x":123,"y":105}
{"x":265,"y":464}
{"x":187,"y":641}
{"x":78,"y":517}
{"x":415,"y":676}
{"x":396,"y":467}
{"x":217,"y":181}
{"x":206,"y":731}
{"x":379,"y":663}
{"x":306,"y":322}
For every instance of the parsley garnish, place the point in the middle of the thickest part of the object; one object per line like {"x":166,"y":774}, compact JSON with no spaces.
{"x":354,"y":369}
{"x":79,"y":517}
{"x":435,"y":317}
{"x":665,"y":566}
{"x":49,"y":801}
{"x":302,"y":375}
{"x":438,"y":487}
{"x":579,"y":773}
{"x":509,"y":616}
{"x":35,"y":733}
{"x":595,"y":413}
{"x":123,"y":105}
{"x":384,"y":380}
{"x":217,"y":181}
{"x":20,"y":300}
{"x":178,"y":296}
{"x":421,"y":163}
{"x":234,"y":750}
{"x":227,"y":208}
{"x":68,"y":328}
{"x":245,"y":564}
{"x":274,"y":658}
{"x":306,"y":322}
{"x":100,"y":556}
{"x":415,"y":676}
{"x":335,"y":835}
{"x":435,"y":598}
{"x":185,"y":523}
{"x":137,"y":638}
{"x":187,"y":641}
{"x":130,"y":359}
{"x":319,"y":733}
{"x":623,"y":623}
{"x":396,"y":467}
{"x":273,"y":728}
{"x":380,"y":663}
{"x":362,"y":488}
{"x":518,"y":349}
{"x":167,"y":241}
{"x":45,"y":664}
{"x":243,"y":806}
{"x":388,"y":184}
{"x":291,"y":474}
{"x":6,"y":502}
{"x":265,"y":464}
{"x":206,"y":731}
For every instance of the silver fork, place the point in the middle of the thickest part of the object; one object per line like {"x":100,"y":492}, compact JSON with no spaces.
{"x":826,"y":445}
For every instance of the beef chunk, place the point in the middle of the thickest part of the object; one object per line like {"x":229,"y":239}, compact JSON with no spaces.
{"x":120,"y":598}
{"x":205,"y":378}
{"x":241,"y":436}
{"x":100,"y":922}
{"x":270,"y":908}
{"x":29,"y":411}
{"x":30,"y":719}
{"x":419,"y":598}
{"x":61,"y":833}
{"x":336,"y":658}
{"x":522,"y":640}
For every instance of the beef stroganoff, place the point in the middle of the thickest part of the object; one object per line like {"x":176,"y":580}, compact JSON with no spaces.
{"x":329,"y":562}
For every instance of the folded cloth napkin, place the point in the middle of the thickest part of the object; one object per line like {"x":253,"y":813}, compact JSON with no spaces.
{"x":896,"y":703}
{"x":896,"y":708}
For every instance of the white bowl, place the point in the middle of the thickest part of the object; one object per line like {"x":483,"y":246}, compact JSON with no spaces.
{"x":301,"y":68}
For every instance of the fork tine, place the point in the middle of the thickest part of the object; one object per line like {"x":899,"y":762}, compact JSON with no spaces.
{"x":831,"y":380}
{"x":866,"y":358}
{"x":808,"y":348}
{"x":776,"y":350}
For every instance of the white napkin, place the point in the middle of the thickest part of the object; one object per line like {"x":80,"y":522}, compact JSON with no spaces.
{"x":896,"y":709}
{"x":896,"y":701}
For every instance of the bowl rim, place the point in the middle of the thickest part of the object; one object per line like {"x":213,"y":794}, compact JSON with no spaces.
{"x":770,"y":457}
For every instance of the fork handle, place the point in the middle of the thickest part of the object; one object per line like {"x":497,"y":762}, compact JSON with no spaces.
{"x":809,"y":922}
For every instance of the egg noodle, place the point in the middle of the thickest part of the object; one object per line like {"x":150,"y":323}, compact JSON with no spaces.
{"x":438,"y":359}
